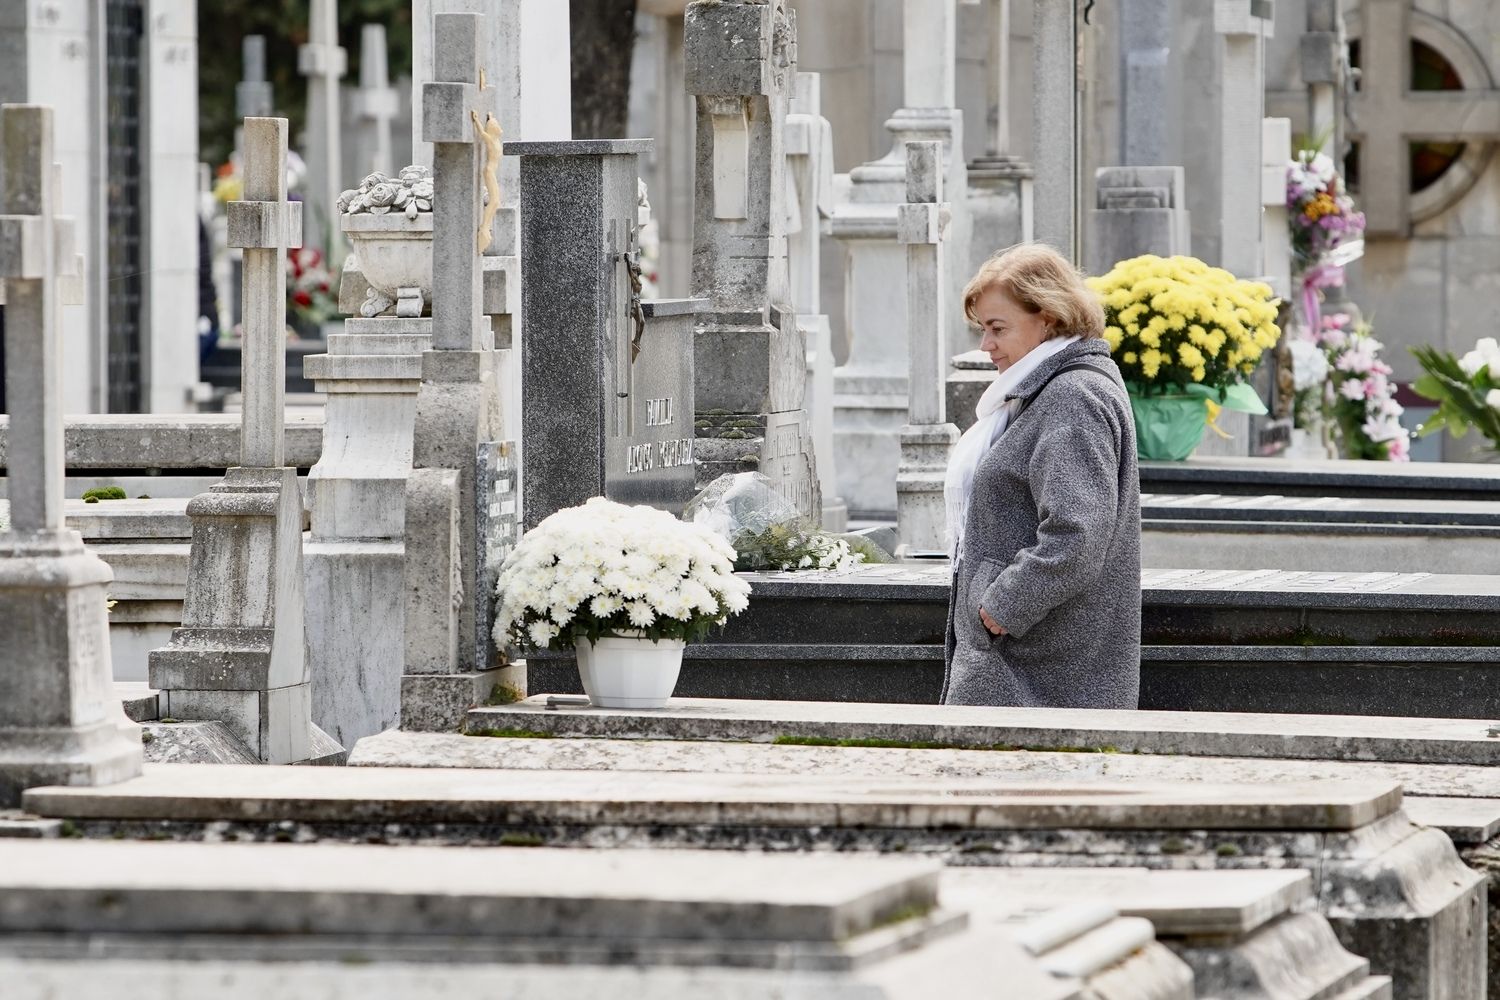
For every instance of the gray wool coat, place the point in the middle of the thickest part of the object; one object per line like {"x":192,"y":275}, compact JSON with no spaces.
{"x":1052,"y":550}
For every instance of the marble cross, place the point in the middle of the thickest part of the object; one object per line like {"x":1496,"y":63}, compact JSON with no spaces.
{"x":375,"y":103}
{"x":324,"y":63}
{"x":264,"y":224}
{"x":455,"y":107}
{"x":36,"y":259}
{"x":252,"y":95}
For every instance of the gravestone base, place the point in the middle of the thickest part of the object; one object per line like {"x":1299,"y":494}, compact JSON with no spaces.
{"x":438,"y":703}
{"x":354,"y":635}
{"x":371,"y":375}
{"x":869,"y":411}
{"x":70,"y":729}
{"x":458,"y":409}
{"x":240,"y":656}
{"x":922,"y":513}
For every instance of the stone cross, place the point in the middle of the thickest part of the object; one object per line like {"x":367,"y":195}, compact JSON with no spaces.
{"x":454,"y":107}
{"x":324,"y":63}
{"x":375,"y":103}
{"x":36,"y":260}
{"x":1387,"y":116}
{"x":928,"y":438}
{"x":1054,"y":116}
{"x":252,"y":95}
{"x":60,"y":722}
{"x":264,"y":224}
{"x":1244,"y":25}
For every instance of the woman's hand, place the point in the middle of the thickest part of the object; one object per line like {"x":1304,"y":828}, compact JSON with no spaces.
{"x":990,"y":623}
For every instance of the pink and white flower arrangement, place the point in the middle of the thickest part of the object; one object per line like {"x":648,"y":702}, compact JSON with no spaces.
{"x":1320,"y":211}
{"x":1359,"y":396}
{"x":606,"y":569}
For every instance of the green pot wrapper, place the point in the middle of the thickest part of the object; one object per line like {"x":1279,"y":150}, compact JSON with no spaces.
{"x":1169,"y":427}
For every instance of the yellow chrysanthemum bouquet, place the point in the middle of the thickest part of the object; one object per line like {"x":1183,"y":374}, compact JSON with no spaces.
{"x":1186,"y":336}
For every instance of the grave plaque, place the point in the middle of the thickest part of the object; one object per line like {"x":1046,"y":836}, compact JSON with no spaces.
{"x":649,"y":458}
{"x":497,"y":519}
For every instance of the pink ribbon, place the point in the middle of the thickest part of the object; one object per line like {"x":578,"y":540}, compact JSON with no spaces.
{"x":1314,"y":278}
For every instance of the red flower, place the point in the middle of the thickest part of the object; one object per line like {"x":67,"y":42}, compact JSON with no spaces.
{"x":302,"y":299}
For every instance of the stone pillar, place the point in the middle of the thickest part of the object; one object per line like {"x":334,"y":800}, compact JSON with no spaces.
{"x":1322,"y":63}
{"x":1139,"y":210}
{"x":458,"y":403}
{"x":1054,"y":130}
{"x":60,"y":722}
{"x":870,"y":390}
{"x":253,"y":98}
{"x":749,"y":355}
{"x":240,"y":655}
{"x":809,"y":153}
{"x":928,"y":438}
{"x":1244,"y":29}
{"x":374,"y":105}
{"x":1276,"y":239}
{"x":1146,"y":31}
{"x":1000,"y":183}
{"x":323,"y":61}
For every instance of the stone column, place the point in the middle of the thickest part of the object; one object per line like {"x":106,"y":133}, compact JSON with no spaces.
{"x":1322,"y":64}
{"x":809,"y":157}
{"x":323,"y":61}
{"x":240,"y":655}
{"x":450,"y":659}
{"x":928,"y":438}
{"x":60,"y":722}
{"x":1000,"y":183}
{"x":374,"y":105}
{"x":870,"y":390}
{"x":1276,"y":238}
{"x":749,"y":357}
{"x":1146,"y":32}
{"x":1054,"y":130}
{"x":1241,"y":107}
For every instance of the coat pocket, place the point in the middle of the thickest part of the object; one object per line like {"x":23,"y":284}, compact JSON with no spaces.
{"x":971,"y":594}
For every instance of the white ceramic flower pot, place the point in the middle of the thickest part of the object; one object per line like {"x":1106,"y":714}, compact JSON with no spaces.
{"x":629,"y":672}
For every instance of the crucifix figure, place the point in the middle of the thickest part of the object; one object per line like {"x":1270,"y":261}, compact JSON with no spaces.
{"x":452,"y":106}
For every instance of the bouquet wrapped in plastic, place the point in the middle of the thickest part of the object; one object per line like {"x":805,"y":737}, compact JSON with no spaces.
{"x":766,"y":530}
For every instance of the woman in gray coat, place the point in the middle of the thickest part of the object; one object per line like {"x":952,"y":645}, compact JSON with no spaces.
{"x":1044,"y":502}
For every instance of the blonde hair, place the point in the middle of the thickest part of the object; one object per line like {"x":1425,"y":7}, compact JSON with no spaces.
{"x":1042,"y":281}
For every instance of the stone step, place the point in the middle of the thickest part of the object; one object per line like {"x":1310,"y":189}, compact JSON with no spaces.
{"x":1219,"y":734}
{"x":1258,"y":476}
{"x":1267,"y":509}
{"x":1381,"y":878}
{"x":508,"y":896}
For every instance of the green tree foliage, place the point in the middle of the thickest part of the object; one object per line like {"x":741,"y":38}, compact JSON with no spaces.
{"x":223,"y":23}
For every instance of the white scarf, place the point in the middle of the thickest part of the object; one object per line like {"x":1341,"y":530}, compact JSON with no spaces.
{"x":994,"y":412}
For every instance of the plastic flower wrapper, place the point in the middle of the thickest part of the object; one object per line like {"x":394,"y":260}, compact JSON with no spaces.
{"x":1466,"y":389}
{"x":766,"y":529}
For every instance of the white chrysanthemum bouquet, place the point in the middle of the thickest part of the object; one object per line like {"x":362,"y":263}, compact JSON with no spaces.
{"x":607,"y":569}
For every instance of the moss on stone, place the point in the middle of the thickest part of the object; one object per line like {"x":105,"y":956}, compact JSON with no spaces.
{"x":512,"y":734}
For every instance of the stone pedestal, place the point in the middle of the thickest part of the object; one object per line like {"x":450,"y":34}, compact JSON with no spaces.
{"x":999,"y":208}
{"x":60,"y":722}
{"x":354,"y":558}
{"x":239,"y":656}
{"x":1138,"y":210}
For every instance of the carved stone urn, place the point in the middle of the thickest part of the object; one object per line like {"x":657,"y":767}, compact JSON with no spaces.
{"x":389,"y":224}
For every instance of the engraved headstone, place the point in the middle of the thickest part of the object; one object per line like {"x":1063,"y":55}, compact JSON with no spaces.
{"x":609,"y":378}
{"x":59,"y":720}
